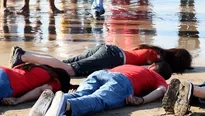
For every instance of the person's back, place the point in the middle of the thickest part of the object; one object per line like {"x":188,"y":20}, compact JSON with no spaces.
{"x":141,"y":56}
{"x":23,"y":81}
{"x":143,"y":79}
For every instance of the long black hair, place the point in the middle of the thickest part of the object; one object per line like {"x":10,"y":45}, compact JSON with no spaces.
{"x":58,"y":73}
{"x":179,"y":59}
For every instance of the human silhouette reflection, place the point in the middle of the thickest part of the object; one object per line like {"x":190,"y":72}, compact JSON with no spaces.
{"x":28,"y":32}
{"x":5,"y":28}
{"x":75,"y":27}
{"x":9,"y":26}
{"x":188,"y":33}
{"x":127,"y":26}
{"x":52,"y":28}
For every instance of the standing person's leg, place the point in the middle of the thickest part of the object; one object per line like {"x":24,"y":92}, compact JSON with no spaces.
{"x":20,"y":56}
{"x":53,"y":8}
{"x":25,"y":9}
{"x":4,"y":5}
{"x":112,"y":93}
{"x":97,"y":8}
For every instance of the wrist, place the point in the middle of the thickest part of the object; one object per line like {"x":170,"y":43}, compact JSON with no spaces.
{"x":142,"y":101}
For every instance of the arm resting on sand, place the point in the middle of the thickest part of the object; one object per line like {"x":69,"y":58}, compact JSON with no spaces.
{"x":31,"y":95}
{"x":154,"y":95}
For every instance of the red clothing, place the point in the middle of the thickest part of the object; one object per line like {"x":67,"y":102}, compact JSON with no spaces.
{"x":24,"y":81}
{"x":143,"y":80}
{"x":140,"y":56}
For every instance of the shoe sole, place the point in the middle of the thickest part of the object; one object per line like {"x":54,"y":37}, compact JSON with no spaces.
{"x":182,"y":105}
{"x":57,"y":101}
{"x":41,"y":106}
{"x":170,"y":96}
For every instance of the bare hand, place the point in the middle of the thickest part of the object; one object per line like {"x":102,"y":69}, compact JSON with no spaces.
{"x":72,"y":90}
{"x":133,"y":100}
{"x":9,"y":101}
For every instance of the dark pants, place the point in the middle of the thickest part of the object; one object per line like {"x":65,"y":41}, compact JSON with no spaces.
{"x":97,"y":58}
{"x":195,"y":101}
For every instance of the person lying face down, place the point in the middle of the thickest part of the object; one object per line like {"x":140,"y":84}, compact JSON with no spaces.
{"x":114,"y":88}
{"x":108,"y":56}
{"x":27,"y":81}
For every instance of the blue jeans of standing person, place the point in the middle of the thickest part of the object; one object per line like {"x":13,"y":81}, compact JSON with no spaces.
{"x":5,"y":86}
{"x":97,"y":5}
{"x":100,"y":57}
{"x":100,"y":91}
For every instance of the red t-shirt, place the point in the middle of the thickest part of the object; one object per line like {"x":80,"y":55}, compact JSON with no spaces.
{"x":143,"y":80}
{"x":140,"y":56}
{"x":24,"y":81}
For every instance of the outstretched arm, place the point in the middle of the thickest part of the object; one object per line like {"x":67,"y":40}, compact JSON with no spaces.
{"x":156,"y":94}
{"x":31,"y":95}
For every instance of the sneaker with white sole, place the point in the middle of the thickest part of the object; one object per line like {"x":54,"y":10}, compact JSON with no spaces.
{"x":58,"y":106}
{"x":182,"y":106}
{"x":170,"y":97}
{"x":42,"y":104}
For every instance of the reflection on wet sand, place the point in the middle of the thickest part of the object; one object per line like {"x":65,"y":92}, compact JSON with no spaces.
{"x":126,"y":23}
{"x":188,"y":33}
{"x":128,"y":27}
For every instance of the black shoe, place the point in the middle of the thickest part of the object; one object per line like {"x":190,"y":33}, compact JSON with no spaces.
{"x":170,"y":96}
{"x":15,"y":59}
{"x":97,"y":13}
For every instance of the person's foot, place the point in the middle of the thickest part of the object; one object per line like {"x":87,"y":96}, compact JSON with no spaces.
{"x":96,"y":13}
{"x":15,"y":58}
{"x":24,"y":10}
{"x":6,"y":11}
{"x":54,"y":10}
{"x":58,"y":106}
{"x":170,"y":97}
{"x":42,"y":104}
{"x":182,"y":106}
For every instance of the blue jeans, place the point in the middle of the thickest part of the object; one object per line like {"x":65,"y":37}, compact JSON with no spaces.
{"x":98,"y":5}
{"x":100,"y":57}
{"x":5,"y":87}
{"x":100,"y":91}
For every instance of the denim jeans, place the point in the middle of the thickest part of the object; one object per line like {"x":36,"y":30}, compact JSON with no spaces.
{"x":97,"y":5}
{"x":100,"y":57}
{"x":100,"y":91}
{"x":5,"y":87}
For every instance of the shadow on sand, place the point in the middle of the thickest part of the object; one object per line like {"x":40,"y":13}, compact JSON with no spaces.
{"x":128,"y":110}
{"x":4,"y":108}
